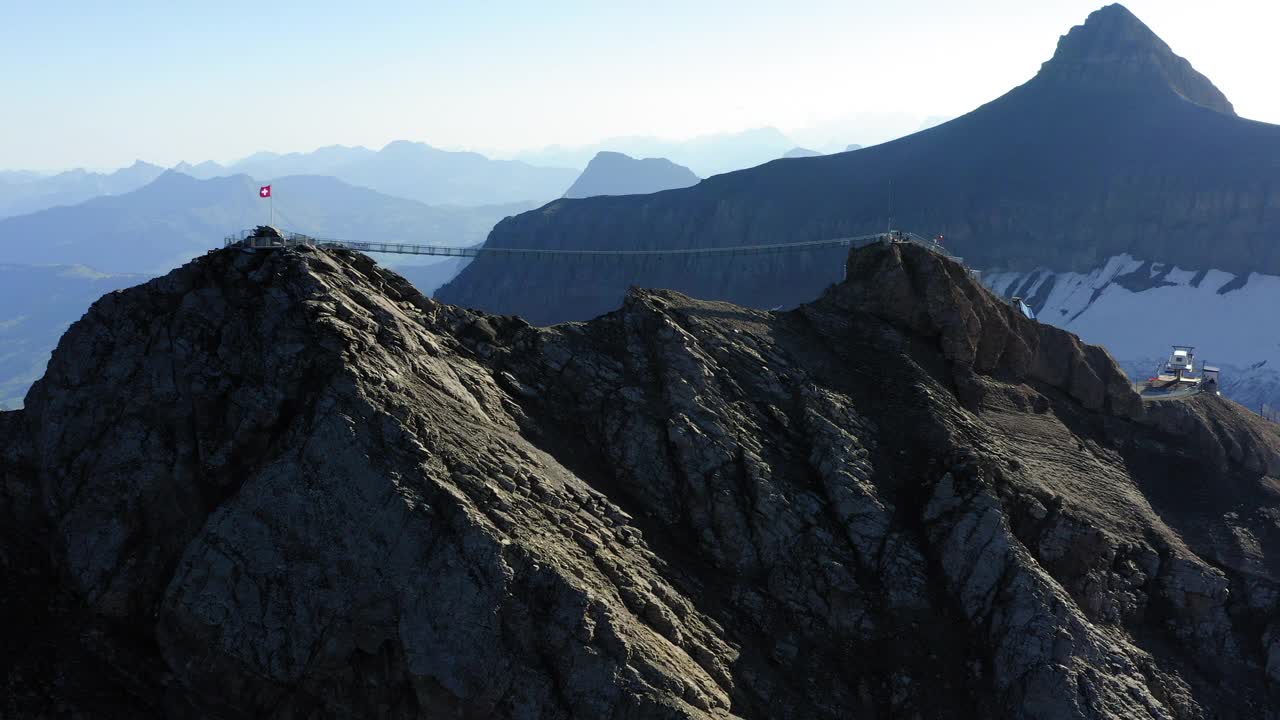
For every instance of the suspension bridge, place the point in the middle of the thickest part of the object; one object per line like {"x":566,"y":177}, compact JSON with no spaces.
{"x":266,"y":238}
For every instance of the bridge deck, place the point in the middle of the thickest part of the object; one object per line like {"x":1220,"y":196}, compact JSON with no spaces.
{"x":293,"y":240}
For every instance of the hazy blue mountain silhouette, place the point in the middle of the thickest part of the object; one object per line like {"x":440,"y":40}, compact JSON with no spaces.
{"x":613,"y":173}
{"x":1116,"y":146}
{"x":800,"y":152}
{"x":322,"y":161}
{"x":420,"y":172}
{"x":705,"y":156}
{"x":203,"y":171}
{"x":37,"y":304}
{"x":24,"y":192}
{"x":167,"y":222}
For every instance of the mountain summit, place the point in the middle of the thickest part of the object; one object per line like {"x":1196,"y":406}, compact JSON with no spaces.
{"x":613,"y":173}
{"x":1114,"y":50}
{"x":290,"y":475}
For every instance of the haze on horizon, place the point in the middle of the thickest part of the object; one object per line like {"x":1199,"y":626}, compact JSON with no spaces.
{"x":102,"y":85}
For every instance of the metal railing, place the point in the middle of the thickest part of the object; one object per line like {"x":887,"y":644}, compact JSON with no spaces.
{"x":252,"y":239}
{"x":928,"y":244}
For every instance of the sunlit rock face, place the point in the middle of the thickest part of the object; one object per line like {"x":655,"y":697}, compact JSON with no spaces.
{"x":285,"y":484}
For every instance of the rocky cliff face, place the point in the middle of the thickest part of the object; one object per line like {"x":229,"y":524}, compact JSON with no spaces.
{"x":1117,"y":146}
{"x":287,"y":484}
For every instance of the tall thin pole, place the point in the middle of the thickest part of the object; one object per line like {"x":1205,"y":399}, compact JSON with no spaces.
{"x":890,"y":229}
{"x":272,"y":204}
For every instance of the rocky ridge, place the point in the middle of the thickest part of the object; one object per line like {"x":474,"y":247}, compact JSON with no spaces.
{"x":286,"y":484}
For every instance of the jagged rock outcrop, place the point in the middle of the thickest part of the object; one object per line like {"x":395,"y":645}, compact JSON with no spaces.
{"x":286,"y":484}
{"x":939,"y":298}
{"x":1116,"y":146}
{"x":613,"y":173}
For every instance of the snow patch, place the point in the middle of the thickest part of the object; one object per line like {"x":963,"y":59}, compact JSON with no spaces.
{"x":1235,"y":329}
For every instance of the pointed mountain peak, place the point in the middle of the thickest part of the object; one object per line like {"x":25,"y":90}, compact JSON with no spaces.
{"x":141,"y":167}
{"x":614,"y":173}
{"x":1113,"y":49}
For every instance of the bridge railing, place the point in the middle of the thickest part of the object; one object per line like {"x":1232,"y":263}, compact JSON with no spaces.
{"x":930,"y":244}
{"x":258,"y":239}
{"x":247,"y":238}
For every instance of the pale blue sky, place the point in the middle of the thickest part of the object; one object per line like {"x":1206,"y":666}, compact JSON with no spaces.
{"x":100,"y":84}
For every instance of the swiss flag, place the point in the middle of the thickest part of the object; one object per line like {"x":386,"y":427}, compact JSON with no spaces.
{"x":264,"y":191}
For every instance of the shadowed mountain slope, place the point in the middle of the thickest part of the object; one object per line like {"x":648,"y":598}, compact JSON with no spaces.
{"x":290,"y":474}
{"x":1116,"y":146}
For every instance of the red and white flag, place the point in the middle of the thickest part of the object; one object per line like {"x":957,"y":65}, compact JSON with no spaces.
{"x":264,"y":191}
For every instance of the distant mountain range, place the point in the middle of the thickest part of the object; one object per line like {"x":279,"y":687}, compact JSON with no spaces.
{"x":45,"y":284}
{"x":420,"y":172}
{"x":176,"y":217}
{"x":414,"y":171}
{"x":410,"y":170}
{"x":611,"y":173}
{"x":705,"y":156}
{"x":37,"y":304}
{"x":23,"y":191}
{"x":204,"y":171}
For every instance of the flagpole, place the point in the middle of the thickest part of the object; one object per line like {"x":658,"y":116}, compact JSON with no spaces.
{"x":265,"y":192}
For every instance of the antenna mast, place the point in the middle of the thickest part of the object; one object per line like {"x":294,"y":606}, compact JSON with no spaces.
{"x":890,"y":228}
